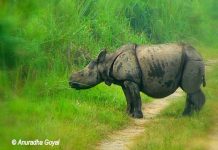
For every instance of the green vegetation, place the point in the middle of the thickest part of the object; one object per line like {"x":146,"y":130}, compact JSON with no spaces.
{"x":41,"y":42}
{"x":172,"y":131}
{"x":78,"y":120}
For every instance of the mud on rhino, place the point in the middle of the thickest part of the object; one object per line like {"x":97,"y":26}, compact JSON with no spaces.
{"x":156,"y":70}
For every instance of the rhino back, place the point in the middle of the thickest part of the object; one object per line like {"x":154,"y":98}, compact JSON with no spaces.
{"x":161,"y":67}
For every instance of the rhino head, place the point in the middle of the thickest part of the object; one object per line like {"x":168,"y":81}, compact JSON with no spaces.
{"x":90,"y":75}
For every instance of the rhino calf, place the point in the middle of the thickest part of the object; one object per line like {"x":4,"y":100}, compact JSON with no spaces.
{"x":156,"y":70}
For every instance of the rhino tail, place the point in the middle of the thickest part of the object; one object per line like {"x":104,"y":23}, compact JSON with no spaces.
{"x":204,"y":81}
{"x":203,"y":75}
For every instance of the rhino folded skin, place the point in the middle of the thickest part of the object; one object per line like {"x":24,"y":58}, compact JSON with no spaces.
{"x":156,"y":70}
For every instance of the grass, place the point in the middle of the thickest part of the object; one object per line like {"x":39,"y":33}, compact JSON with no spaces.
{"x":41,"y":42}
{"x":172,"y":131}
{"x":79,"y":121}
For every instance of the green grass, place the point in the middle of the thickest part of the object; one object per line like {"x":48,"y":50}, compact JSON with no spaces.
{"x":41,"y":42}
{"x":79,"y":120}
{"x":172,"y":131}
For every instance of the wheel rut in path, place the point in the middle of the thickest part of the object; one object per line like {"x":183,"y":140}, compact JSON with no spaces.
{"x":213,"y":136}
{"x":124,"y":138}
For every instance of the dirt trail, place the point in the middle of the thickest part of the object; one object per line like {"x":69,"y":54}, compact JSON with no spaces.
{"x":124,"y":139}
{"x":213,"y":137}
{"x":210,"y":63}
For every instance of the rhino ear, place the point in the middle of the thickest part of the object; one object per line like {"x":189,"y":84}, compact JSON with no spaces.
{"x":101,"y":56}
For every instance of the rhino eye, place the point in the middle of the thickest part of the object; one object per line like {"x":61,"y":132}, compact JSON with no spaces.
{"x":81,"y":74}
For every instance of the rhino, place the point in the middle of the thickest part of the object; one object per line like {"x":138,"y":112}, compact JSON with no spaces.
{"x":155,"y":70}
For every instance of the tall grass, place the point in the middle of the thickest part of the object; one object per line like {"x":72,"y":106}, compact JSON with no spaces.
{"x":41,"y":42}
{"x":49,"y":36}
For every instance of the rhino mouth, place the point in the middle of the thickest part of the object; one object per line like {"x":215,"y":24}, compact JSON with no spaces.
{"x":78,"y":86}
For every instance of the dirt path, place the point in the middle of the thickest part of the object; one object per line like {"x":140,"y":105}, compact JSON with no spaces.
{"x":213,"y":137}
{"x":210,"y":63}
{"x":124,"y":139}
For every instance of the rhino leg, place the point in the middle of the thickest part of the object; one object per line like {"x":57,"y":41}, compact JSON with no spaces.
{"x":130,"y":106}
{"x":191,"y":82}
{"x":133,"y":93}
{"x":194,"y":102}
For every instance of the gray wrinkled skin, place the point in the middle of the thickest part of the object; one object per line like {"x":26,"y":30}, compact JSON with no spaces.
{"x":156,"y":70}
{"x":161,"y":68}
{"x":86,"y":78}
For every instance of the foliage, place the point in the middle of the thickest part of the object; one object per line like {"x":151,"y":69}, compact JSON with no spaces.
{"x":41,"y":42}
{"x":172,"y":131}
